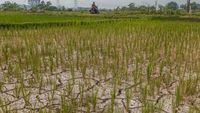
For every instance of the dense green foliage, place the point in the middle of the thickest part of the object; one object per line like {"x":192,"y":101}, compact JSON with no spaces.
{"x":42,"y":6}
{"x":172,"y":7}
{"x":8,"y":6}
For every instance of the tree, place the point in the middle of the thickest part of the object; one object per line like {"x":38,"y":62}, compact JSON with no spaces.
{"x":124,"y":8}
{"x":8,"y":6}
{"x":188,"y":6}
{"x":42,"y":3}
{"x":63,"y":8}
{"x":48,"y":4}
{"x":161,"y":8}
{"x":172,"y":6}
{"x":183,"y":6}
{"x":143,"y":8}
{"x":195,"y":6}
{"x":44,"y":6}
{"x":152,"y":8}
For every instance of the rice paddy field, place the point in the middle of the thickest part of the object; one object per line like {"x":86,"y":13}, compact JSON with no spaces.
{"x":60,"y":63}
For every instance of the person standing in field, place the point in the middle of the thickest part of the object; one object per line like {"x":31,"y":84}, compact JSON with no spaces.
{"x":94,"y":5}
{"x":94,"y":9}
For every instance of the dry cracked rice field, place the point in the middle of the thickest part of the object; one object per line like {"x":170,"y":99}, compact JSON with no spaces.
{"x":132,"y":66}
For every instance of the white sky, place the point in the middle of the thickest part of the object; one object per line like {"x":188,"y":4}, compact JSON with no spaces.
{"x":103,"y":3}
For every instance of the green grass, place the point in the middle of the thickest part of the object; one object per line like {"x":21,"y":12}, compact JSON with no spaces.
{"x":25,"y":17}
{"x":105,"y":65}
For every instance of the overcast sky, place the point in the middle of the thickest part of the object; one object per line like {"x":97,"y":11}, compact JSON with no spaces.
{"x":103,"y":3}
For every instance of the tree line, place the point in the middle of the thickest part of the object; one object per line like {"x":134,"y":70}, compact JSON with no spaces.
{"x":170,"y":8}
{"x":42,"y":6}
